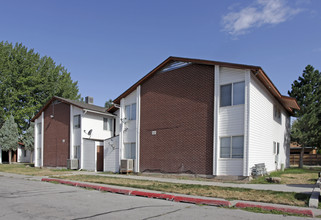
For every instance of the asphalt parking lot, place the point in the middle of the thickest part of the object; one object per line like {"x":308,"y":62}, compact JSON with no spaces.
{"x":21,"y":198}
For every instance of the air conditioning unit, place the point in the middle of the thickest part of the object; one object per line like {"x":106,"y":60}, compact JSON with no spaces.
{"x":72,"y":164}
{"x":127,"y":166}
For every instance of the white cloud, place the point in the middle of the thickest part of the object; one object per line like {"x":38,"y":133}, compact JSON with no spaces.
{"x":259,"y":13}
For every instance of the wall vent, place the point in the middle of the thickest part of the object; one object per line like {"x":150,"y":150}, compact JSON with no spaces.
{"x":174,"y":65}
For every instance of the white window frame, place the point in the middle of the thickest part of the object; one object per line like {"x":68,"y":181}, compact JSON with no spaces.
{"x":77,"y":121}
{"x":276,"y":148}
{"x":131,"y":114}
{"x":232,"y":96}
{"x":277,"y":115}
{"x":107,"y":124}
{"x":231,"y":147}
{"x":77,"y":152}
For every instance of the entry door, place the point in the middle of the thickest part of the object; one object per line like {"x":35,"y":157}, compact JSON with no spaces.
{"x":100,"y":158}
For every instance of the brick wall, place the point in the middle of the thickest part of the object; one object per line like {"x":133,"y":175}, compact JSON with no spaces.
{"x":56,"y":135}
{"x":178,"y":105}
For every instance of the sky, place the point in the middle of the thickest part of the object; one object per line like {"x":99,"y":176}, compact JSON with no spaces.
{"x":107,"y":46}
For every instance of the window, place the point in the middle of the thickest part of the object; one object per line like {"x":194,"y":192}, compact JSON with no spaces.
{"x":107,"y":124}
{"x":39,"y":128}
{"x":77,"y":152}
{"x":76,"y":121}
{"x":232,"y":147}
{"x":277,"y":114}
{"x":130,"y":111}
{"x":24,"y":152}
{"x":130,"y":151}
{"x":276,"y":148}
{"x":232,"y":94}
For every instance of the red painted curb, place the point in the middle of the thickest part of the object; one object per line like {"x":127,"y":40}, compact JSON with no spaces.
{"x":115,"y":190}
{"x":306,"y":212}
{"x":202,"y":201}
{"x":146,"y":194}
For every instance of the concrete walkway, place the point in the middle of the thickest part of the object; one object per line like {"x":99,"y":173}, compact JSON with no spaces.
{"x":298,"y":188}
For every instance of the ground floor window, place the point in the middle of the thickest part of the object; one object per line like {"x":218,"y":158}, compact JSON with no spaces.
{"x":130,"y":151}
{"x":76,"y":152}
{"x":232,"y":147}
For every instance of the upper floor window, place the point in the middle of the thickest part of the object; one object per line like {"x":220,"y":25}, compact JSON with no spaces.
{"x":76,"y":121}
{"x":277,"y":114}
{"x":232,"y":147}
{"x":39,"y":128}
{"x":107,"y":124}
{"x":232,"y":94}
{"x":130,"y":111}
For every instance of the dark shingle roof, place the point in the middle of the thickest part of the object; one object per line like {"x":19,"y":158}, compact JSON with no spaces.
{"x":78,"y":104}
{"x":84,"y":105}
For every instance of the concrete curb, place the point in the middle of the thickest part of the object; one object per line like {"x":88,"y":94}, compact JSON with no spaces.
{"x":305,"y":212}
{"x":315,"y":195}
{"x":187,"y":199}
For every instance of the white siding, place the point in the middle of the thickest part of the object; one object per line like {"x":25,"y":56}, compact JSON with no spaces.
{"x":76,"y":132}
{"x":231,"y":123}
{"x":232,"y":167}
{"x":231,"y":120}
{"x":95,"y":122}
{"x":89,"y":155}
{"x":117,"y":124}
{"x":111,"y":155}
{"x":230,"y":75}
{"x":264,"y":130}
{"x":20,"y":156}
{"x":130,"y":125}
{"x":129,"y":129}
{"x":38,"y":143}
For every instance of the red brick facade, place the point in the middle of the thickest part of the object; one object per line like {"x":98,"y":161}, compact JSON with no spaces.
{"x":178,"y":105}
{"x":56,"y":135}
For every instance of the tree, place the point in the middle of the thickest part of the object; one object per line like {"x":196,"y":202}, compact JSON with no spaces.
{"x":306,"y":130}
{"x":28,"y":139}
{"x":109,"y":103}
{"x":9,"y":136}
{"x":28,"y":81}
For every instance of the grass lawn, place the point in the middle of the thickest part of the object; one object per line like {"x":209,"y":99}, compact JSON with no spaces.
{"x":229,"y":193}
{"x":293,"y":175}
{"x":28,"y":169}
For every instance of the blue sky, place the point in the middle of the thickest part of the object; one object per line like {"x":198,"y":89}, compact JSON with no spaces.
{"x":109,"y":45}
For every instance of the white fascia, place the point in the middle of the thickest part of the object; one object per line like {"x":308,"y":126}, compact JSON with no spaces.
{"x":71,"y":137}
{"x":42,"y":137}
{"x":246,"y":123}
{"x":138,"y":107}
{"x":216,"y":118}
{"x":121,"y":125}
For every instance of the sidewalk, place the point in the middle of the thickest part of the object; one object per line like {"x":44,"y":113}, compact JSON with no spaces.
{"x":179,"y":197}
{"x":274,"y":187}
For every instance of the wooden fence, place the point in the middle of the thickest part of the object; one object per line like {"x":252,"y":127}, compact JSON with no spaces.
{"x":308,"y":159}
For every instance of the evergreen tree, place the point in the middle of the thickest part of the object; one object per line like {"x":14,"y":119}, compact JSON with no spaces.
{"x":28,"y":81}
{"x":306,"y":130}
{"x":109,"y":103}
{"x":9,"y":136}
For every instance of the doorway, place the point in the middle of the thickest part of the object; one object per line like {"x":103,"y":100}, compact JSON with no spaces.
{"x":100,"y":158}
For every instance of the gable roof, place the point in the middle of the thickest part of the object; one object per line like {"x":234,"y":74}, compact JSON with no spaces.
{"x":288,"y":103}
{"x":78,"y":104}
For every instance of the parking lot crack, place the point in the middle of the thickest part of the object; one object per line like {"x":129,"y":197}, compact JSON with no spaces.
{"x":120,"y":210}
